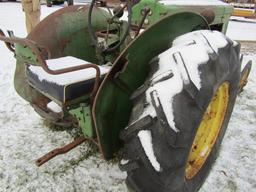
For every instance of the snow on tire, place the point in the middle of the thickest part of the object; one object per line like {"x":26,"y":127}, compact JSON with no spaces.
{"x":189,"y":95}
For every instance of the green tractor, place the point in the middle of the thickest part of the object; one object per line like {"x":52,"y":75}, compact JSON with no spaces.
{"x":160,"y":84}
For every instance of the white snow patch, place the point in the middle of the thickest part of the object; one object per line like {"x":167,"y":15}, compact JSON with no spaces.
{"x":155,"y":97}
{"x":243,"y":19}
{"x":167,"y":89}
{"x":235,"y":43}
{"x":145,"y":137}
{"x":243,"y":4}
{"x":215,"y":38}
{"x":64,"y":62}
{"x":242,"y":29}
{"x":191,"y":50}
{"x":201,"y":44}
{"x":54,"y":107}
{"x":124,"y":161}
{"x":67,"y":78}
{"x":161,"y":76}
{"x":182,"y":69}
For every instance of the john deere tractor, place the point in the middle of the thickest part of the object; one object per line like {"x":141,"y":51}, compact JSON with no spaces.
{"x":158,"y":79}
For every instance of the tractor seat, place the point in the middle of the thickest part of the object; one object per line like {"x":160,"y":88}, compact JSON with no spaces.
{"x":67,"y":86}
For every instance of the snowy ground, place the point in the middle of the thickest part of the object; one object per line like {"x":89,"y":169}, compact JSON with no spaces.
{"x":242,"y":29}
{"x":24,"y":136}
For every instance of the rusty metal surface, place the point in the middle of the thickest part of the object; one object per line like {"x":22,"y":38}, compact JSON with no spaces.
{"x":65,"y":32}
{"x":60,"y":150}
{"x":145,"y":13}
{"x":45,"y":36}
{"x":8,"y":45}
{"x":209,"y":15}
{"x":25,"y":42}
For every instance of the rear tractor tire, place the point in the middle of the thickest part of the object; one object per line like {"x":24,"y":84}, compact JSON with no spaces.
{"x":181,"y":113}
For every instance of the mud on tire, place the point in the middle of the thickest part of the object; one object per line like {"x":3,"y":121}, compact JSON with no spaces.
{"x":169,"y":107}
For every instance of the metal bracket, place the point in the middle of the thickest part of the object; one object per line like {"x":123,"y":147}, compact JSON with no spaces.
{"x":83,"y":116}
{"x":60,"y":150}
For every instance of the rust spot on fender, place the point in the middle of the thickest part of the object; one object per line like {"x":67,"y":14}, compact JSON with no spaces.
{"x":209,"y":15}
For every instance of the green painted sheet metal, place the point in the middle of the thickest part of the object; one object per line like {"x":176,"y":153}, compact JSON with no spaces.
{"x":160,"y":9}
{"x":83,"y":115}
{"x":24,"y":53}
{"x":112,"y":106}
{"x":65,"y":32}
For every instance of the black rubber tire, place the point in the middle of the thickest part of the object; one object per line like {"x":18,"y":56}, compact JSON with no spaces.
{"x":172,"y":148}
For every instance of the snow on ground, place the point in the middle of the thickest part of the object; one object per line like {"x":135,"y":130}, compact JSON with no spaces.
{"x":24,"y":136}
{"x":242,"y":29}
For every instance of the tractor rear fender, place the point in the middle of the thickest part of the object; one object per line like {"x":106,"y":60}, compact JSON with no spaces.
{"x":112,"y":105}
{"x":64,"y":33}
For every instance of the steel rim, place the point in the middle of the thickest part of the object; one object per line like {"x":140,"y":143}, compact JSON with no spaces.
{"x":208,"y":131}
